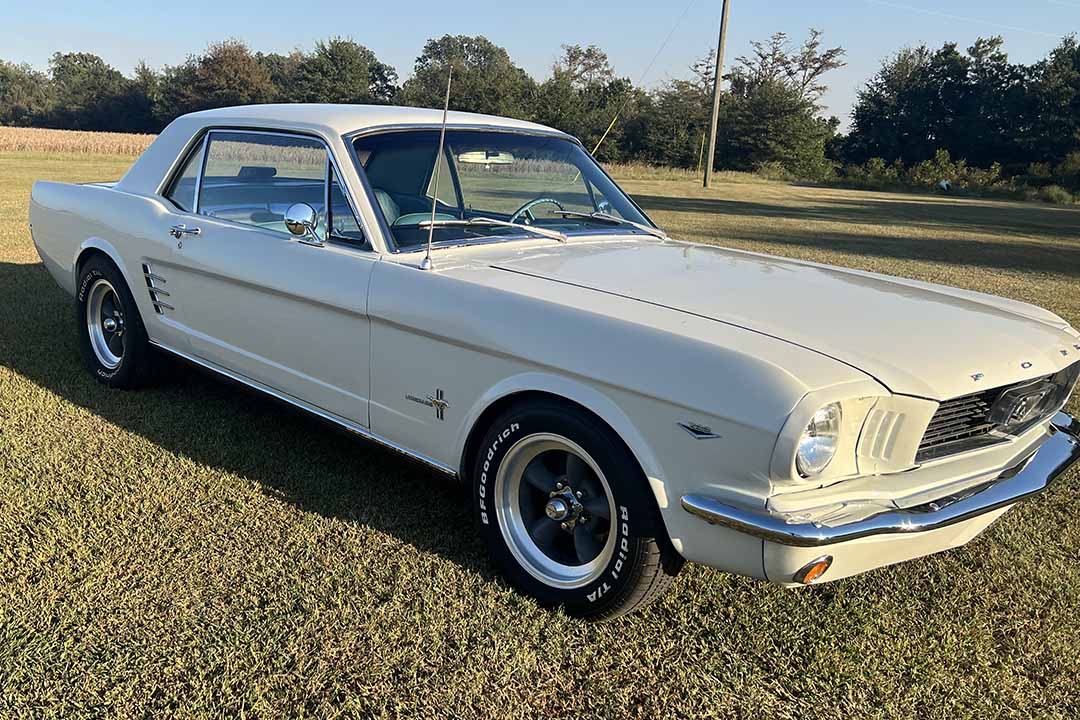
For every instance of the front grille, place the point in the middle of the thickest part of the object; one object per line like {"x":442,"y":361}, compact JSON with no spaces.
{"x":994,"y":415}
{"x":961,"y":421}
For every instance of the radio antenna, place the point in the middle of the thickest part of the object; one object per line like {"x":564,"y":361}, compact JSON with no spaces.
{"x":426,"y":263}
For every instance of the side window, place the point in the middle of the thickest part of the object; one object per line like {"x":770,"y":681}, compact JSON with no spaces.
{"x":253,"y":178}
{"x":182,"y":190}
{"x":342,"y":224}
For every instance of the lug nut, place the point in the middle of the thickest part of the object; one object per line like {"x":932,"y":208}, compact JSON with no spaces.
{"x":558,"y":486}
{"x":578,"y":494}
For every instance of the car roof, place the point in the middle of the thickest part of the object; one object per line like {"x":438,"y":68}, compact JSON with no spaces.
{"x":343,"y":119}
{"x":329,"y":121}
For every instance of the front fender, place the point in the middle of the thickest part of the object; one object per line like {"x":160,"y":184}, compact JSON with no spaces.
{"x":580,"y":393}
{"x":672,"y":464}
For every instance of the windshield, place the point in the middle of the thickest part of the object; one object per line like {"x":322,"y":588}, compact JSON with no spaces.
{"x":545,"y":181}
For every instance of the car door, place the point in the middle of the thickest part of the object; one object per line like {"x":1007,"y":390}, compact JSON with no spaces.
{"x":287,"y":312}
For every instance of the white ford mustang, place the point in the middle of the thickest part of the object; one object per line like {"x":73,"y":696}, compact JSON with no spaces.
{"x":617,"y":401}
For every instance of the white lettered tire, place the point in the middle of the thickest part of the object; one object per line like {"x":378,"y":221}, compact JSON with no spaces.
{"x":566,"y":513}
{"x":112,"y":339}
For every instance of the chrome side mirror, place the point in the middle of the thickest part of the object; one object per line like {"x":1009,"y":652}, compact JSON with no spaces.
{"x":301,"y":220}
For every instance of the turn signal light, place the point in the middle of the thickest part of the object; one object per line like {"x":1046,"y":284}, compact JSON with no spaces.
{"x":813,"y":570}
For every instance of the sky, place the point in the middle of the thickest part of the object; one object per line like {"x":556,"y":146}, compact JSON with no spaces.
{"x":124,"y":32}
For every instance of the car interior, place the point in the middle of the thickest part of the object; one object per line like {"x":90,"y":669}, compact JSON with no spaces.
{"x":242,"y":187}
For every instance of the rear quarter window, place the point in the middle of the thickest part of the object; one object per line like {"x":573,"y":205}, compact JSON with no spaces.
{"x":182,"y":190}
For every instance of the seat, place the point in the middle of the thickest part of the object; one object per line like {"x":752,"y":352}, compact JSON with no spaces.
{"x":390,"y":209}
{"x":417,"y":218}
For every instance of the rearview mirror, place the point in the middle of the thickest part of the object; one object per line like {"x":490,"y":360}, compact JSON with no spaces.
{"x":485,"y":157}
{"x":301,"y":220}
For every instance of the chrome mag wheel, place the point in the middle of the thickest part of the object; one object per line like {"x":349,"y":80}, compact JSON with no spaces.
{"x":105,"y":323}
{"x":555,"y":510}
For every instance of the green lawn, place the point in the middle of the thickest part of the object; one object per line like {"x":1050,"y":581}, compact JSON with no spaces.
{"x":195,"y":550}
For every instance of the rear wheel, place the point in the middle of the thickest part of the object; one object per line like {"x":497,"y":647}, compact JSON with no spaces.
{"x":112,"y":338}
{"x":566,"y":512}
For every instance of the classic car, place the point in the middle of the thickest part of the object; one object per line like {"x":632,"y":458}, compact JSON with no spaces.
{"x":487,"y":301}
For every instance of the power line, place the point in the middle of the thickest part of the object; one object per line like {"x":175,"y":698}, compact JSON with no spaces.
{"x":961,"y":18}
{"x":630,"y":95}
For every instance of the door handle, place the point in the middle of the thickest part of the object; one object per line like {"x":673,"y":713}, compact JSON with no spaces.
{"x":179,"y":231}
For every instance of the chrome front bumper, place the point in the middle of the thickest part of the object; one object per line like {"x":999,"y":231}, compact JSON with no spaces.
{"x":1031,"y":475}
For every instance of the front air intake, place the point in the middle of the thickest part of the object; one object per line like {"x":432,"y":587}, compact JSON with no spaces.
{"x":995,"y":415}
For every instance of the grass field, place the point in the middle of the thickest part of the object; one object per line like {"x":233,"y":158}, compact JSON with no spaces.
{"x":194,"y":550}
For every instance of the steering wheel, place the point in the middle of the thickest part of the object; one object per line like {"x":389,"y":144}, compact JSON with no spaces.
{"x":526,"y":209}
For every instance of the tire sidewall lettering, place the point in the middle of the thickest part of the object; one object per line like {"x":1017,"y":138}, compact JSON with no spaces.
{"x":622,"y":554}
{"x":89,"y":278}
{"x":485,"y":470}
{"x":613,"y":576}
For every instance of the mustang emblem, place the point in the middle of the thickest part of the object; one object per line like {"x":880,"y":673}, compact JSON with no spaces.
{"x":437,"y":401}
{"x":977,"y":377}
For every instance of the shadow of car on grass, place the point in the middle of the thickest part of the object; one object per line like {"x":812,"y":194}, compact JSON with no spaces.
{"x":312,"y":463}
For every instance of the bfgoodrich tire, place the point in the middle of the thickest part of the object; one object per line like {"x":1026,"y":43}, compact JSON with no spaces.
{"x":566,"y":513}
{"x":112,"y":339}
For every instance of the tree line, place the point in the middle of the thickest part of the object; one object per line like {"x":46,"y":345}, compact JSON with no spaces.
{"x":970,"y":113}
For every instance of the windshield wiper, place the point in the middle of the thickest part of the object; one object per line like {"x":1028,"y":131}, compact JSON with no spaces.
{"x":543,"y":232}
{"x":604,"y":217}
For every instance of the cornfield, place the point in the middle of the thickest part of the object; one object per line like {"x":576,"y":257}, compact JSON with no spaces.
{"x":42,"y":140}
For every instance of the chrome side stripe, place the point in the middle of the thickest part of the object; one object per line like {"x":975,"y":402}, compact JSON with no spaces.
{"x":319,"y":412}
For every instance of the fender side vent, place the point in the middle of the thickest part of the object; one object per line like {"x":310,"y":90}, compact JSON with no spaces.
{"x":153,"y":285}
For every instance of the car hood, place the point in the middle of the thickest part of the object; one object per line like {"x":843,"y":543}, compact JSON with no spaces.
{"x":915,"y":338}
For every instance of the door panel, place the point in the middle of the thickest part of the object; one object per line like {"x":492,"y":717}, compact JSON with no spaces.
{"x":253,"y":298}
{"x":289,"y":315}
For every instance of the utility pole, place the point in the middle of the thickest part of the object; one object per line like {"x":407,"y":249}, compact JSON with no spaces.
{"x":710,"y":158}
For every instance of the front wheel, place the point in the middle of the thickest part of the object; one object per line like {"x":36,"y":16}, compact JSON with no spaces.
{"x":566,"y":513}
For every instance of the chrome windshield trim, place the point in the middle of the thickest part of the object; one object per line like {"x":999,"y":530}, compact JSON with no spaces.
{"x":493,"y":222}
{"x":482,"y":127}
{"x":627,"y":232}
{"x":616,"y":221}
{"x":1030,"y":475}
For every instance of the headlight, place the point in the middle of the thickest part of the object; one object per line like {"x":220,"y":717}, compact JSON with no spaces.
{"x":819,"y":440}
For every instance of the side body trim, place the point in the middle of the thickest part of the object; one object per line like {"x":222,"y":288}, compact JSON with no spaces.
{"x":314,"y":410}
